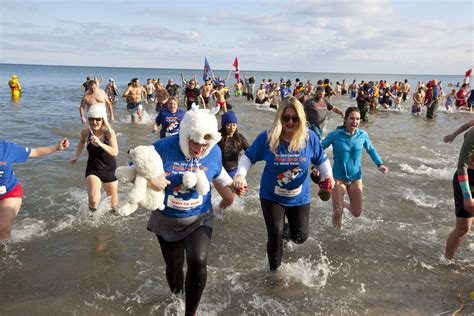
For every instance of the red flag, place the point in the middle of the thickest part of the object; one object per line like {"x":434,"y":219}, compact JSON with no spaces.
{"x":236,"y":63}
{"x":236,"y":66}
{"x":467,"y":76}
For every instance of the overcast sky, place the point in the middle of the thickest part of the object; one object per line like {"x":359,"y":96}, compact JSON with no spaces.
{"x":364,"y":36}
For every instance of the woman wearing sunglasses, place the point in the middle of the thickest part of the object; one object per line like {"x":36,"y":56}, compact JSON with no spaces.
{"x":101,"y":143}
{"x":288,"y":150}
{"x":347,"y":142}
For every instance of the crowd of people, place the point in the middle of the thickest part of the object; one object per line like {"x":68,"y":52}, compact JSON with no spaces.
{"x":293,"y":149}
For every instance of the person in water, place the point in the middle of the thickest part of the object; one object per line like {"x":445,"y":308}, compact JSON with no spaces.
{"x":101,"y":143}
{"x":11,"y":191}
{"x":288,"y":150}
{"x":463,"y":179}
{"x":347,"y":142}
{"x":94,"y":96}
{"x":15,"y":87}
{"x":169,"y":118}
{"x":184,"y":227}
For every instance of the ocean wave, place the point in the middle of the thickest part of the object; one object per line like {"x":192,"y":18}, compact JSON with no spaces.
{"x":440,"y":174}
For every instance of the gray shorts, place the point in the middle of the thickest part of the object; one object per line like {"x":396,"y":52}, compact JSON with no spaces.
{"x":176,"y":228}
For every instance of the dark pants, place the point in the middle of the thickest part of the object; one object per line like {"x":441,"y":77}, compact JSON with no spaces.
{"x":431,"y":111}
{"x":298,"y":222}
{"x":196,"y":247}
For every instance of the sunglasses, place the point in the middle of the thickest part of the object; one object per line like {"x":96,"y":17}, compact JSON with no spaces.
{"x":287,"y":118}
{"x":96,"y":119}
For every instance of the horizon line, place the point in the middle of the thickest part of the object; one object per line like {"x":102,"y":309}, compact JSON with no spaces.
{"x":241,"y":70}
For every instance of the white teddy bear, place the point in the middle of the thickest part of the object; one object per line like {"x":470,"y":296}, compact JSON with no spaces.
{"x":147,"y":164}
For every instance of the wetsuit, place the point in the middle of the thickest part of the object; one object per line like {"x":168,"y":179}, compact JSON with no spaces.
{"x":464,"y":177}
{"x":100,"y":163}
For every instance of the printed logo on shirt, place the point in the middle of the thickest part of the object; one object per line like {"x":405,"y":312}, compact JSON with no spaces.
{"x":180,"y":189}
{"x":3,"y":189}
{"x":288,"y":176}
{"x":3,"y":163}
{"x":183,"y":205}
{"x":287,"y":193}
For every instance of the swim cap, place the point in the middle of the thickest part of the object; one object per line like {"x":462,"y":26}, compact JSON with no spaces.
{"x":200,"y":126}
{"x":228,"y":118}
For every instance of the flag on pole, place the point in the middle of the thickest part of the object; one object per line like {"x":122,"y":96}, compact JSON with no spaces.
{"x":467,"y":76}
{"x":236,"y":66}
{"x":207,"y":70}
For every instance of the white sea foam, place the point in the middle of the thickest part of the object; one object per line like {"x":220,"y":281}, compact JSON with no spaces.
{"x":310,"y":273}
{"x":420,"y":198}
{"x":441,"y":174}
{"x":27,"y":229}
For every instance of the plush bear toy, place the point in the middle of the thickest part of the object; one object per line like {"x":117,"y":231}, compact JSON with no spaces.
{"x":147,"y":164}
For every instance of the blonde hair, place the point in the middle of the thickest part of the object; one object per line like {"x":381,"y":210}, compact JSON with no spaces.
{"x":300,"y":136}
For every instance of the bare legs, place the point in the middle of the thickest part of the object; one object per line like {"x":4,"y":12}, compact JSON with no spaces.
{"x":93,"y":192}
{"x":9,"y":208}
{"x":457,"y":235}
{"x":354,"y":190}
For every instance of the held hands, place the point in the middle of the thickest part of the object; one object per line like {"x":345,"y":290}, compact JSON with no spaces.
{"x":240,"y":185}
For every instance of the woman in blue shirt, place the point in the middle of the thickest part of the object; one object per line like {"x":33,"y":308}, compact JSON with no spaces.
{"x":347,"y":142}
{"x":11,"y":192}
{"x":169,"y":118}
{"x":288,"y":150}
{"x":184,"y":227}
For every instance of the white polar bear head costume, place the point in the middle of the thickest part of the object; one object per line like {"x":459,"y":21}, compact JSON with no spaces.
{"x":200,"y":126}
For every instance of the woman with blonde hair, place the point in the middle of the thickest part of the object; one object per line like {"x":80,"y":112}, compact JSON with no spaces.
{"x":288,"y":149}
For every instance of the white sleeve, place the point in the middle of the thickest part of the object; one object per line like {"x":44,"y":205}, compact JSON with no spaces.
{"x":244,"y":166}
{"x":224,"y":178}
{"x":325,"y":169}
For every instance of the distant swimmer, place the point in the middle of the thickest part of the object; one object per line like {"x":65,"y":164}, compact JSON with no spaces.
{"x":15,"y":87}
{"x":94,"y":96}
{"x":347,"y":142}
{"x":101,"y":143}
{"x":134,"y":94}
{"x":112,"y":90}
{"x":11,"y":192}
{"x":288,"y":150}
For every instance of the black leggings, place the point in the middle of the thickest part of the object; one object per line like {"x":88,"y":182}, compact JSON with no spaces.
{"x":196,"y":247}
{"x":298,"y":222}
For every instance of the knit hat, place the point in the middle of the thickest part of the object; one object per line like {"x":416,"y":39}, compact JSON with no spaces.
{"x":98,"y":111}
{"x":200,"y":126}
{"x":228,"y":118}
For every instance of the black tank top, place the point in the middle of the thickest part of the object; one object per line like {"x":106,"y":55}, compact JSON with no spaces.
{"x":99,"y":159}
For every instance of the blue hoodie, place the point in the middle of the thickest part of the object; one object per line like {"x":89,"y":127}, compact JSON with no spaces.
{"x":347,"y":153}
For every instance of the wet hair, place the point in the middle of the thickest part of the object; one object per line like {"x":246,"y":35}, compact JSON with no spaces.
{"x":239,"y":139}
{"x":134,"y":80}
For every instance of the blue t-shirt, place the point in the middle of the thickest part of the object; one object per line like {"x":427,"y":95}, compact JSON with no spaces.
{"x":347,"y":153}
{"x":285,"y":176}
{"x":181,"y":202}
{"x":10,"y":153}
{"x":284,"y":91}
{"x":169,"y":122}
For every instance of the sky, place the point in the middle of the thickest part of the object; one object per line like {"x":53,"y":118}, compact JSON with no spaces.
{"x":363,"y":36}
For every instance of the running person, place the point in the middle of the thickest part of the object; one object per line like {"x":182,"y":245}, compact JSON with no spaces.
{"x":464,"y":203}
{"x":169,"y":118}
{"x":288,"y":149}
{"x":101,"y":143}
{"x":184,"y":227}
{"x":134,"y":94}
{"x":11,"y":192}
{"x":347,"y":142}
